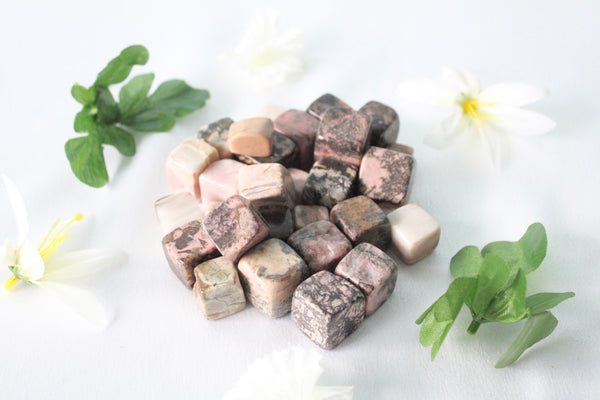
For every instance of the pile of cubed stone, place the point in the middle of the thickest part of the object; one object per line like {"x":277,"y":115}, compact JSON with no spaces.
{"x":295,"y":213}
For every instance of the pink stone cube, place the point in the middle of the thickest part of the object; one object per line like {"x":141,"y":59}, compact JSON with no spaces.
{"x":220,"y":180}
{"x":185,"y":164}
{"x":251,"y":137}
{"x":216,"y":134}
{"x":301,"y":127}
{"x":362,"y":221}
{"x":177,"y":209}
{"x":385,"y":123}
{"x":324,"y":103}
{"x":266,"y":185}
{"x":329,"y":182}
{"x":299,"y":178}
{"x":305,"y":215}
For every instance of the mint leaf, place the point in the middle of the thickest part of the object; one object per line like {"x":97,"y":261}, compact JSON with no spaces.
{"x":108,"y":109}
{"x":133,"y":95}
{"x":118,"y":137}
{"x":84,"y":121}
{"x":82,"y":95}
{"x":541,"y":302}
{"x":537,"y":327}
{"x":467,"y":262}
{"x":118,"y":68}
{"x":493,"y":277}
{"x":177,"y":98}
{"x":150,"y":121}
{"x":87,"y":160}
{"x":509,"y":305}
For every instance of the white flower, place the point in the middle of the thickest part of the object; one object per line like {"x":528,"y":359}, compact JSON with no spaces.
{"x":39,"y":266}
{"x":491,"y":113}
{"x":286,"y":375}
{"x":267,"y":56}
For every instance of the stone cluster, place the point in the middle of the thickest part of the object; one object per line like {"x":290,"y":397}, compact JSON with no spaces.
{"x":295,"y":216}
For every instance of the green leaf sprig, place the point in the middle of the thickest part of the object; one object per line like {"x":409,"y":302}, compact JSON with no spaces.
{"x":108,"y":122}
{"x":492,"y":284}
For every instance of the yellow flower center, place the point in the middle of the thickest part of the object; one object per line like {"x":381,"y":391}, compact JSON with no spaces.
{"x":266,"y":57}
{"x":473,"y":109}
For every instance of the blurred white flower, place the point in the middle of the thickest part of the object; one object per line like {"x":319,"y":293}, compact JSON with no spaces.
{"x":491,"y":113}
{"x":286,"y":375}
{"x":38,"y":266}
{"x":267,"y":56}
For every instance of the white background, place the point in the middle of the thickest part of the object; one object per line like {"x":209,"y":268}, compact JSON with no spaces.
{"x":159,"y":345}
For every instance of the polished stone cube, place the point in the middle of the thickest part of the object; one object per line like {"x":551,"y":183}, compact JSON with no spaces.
{"x":372,"y":271}
{"x":300,"y":127}
{"x":220,"y":180}
{"x":216,"y":134}
{"x":299,"y":178}
{"x":329,"y":182}
{"x":265,"y":185}
{"x":251,"y":137}
{"x":415,"y":233}
{"x":177,"y":209}
{"x":185,"y":164}
{"x":270,"y":272}
{"x":385,"y":123}
{"x":327,"y":309}
{"x":218,"y":290}
{"x":324,"y":103}
{"x":305,"y":215}
{"x":285,"y":152}
{"x":361,"y":219}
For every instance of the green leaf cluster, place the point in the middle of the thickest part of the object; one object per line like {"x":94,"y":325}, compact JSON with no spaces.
{"x":492,"y":284}
{"x":108,"y":122}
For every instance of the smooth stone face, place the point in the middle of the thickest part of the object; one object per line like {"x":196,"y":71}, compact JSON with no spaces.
{"x":362,"y":221}
{"x":329,"y":182}
{"x":270,"y":111}
{"x":414,"y":232}
{"x":266,"y":185}
{"x":299,"y":178}
{"x":285,"y":152}
{"x":217,"y":289}
{"x":324,"y":103}
{"x":185,"y":247}
{"x":304,"y":215}
{"x":270,"y":272}
{"x":177,"y":209}
{"x":216,"y":134}
{"x":343,"y":135}
{"x":321,"y":245}
{"x":280,"y":221}
{"x":235,"y":227}
{"x":372,"y":271}
{"x":302,"y":128}
{"x":327,"y":309}
{"x":220,"y":180}
{"x":385,"y":123}
{"x":401,"y":148}
{"x":385,"y":175}
{"x":185,"y":164}
{"x":251,"y":137}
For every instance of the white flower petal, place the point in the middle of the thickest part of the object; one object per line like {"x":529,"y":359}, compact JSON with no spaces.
{"x":514,"y":94}
{"x":464,"y":81}
{"x":447,"y":131}
{"x":30,"y":265}
{"x":8,"y":255}
{"x":82,"y":263}
{"x":80,"y":301}
{"x":18,"y":207}
{"x":519,"y":121}
{"x":333,"y":393}
{"x":426,"y":91}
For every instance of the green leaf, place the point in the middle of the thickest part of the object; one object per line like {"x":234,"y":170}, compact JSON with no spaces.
{"x":87,"y":160}
{"x":84,"y":121}
{"x":467,"y":262}
{"x":493,"y":277}
{"x":118,"y":137}
{"x":509,"y":305}
{"x":175,"y":97}
{"x":537,"y":327}
{"x":108,"y":109}
{"x":118,"y":68}
{"x":541,"y":302}
{"x":150,"y":121}
{"x":82,"y":95}
{"x":133,"y":95}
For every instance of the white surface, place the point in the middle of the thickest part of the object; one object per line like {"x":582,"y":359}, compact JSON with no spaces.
{"x":159,"y":345}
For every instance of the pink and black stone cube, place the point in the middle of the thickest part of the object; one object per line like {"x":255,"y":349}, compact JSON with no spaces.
{"x":285,"y":152}
{"x":324,"y":103}
{"x":361,"y":219}
{"x":329,"y":182}
{"x":385,"y":123}
{"x":216,"y":134}
{"x":301,"y":127}
{"x":327,"y":309}
{"x":304,"y":215}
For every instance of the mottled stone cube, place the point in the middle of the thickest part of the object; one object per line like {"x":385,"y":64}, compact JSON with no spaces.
{"x":305,"y":215}
{"x":372,"y":271}
{"x":216,"y":134}
{"x":280,"y":221}
{"x":327,"y":309}
{"x":220,"y":180}
{"x":415,"y":233}
{"x":299,"y":178}
{"x":362,"y":221}
{"x":284,"y":152}
{"x":185,"y":247}
{"x":385,"y":175}
{"x":185,"y":164}
{"x":217,"y":289}
{"x":324,"y":103}
{"x":266,"y":185}
{"x":321,"y":245}
{"x":177,"y":209}
{"x":300,"y":127}
{"x":251,"y":137}
{"x":270,"y":272}
{"x":343,"y":135}
{"x":385,"y":123}
{"x":329,"y":182}
{"x":235,"y":227}
{"x":401,"y":148}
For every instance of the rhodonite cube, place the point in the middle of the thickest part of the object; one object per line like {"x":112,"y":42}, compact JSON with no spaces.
{"x":343,"y":135}
{"x":279,"y":219}
{"x":414,"y":232}
{"x":362,"y":221}
{"x":327,"y":309}
{"x":217,"y":289}
{"x":177,"y":209}
{"x":302,"y":128}
{"x":304,"y":215}
{"x":329,"y":182}
{"x":320,"y":244}
{"x":385,"y":175}
{"x":372,"y":271}
{"x":266,"y":185}
{"x":185,"y":164}
{"x":251,"y":137}
{"x":299,"y":178}
{"x":220,"y":180}
{"x":285,"y":152}
{"x":270,"y":272}
{"x":185,"y":247}
{"x":385,"y":123}
{"x":235,"y":227}
{"x":216,"y":134}
{"x":324,"y":103}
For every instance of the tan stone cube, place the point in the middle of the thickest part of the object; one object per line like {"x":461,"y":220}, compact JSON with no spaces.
{"x":414,"y":232}
{"x":185,"y":164}
{"x":251,"y":137}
